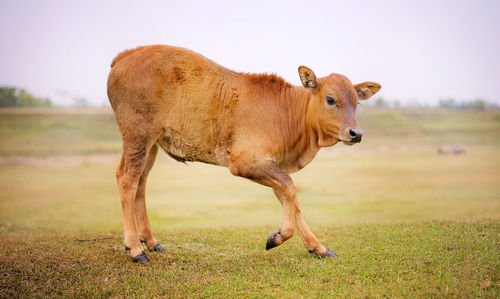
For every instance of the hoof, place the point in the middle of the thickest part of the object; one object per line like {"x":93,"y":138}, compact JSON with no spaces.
{"x":141,"y":258}
{"x":329,"y":253}
{"x":271,"y":241}
{"x":157,"y":248}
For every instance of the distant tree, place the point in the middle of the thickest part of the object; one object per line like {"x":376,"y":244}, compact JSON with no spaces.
{"x":18,"y":97}
{"x":477,"y":104}
{"x":397,"y":104}
{"x":8,"y":97}
{"x":448,"y":103}
{"x":80,"y":102}
{"x":491,"y":105}
{"x":381,"y":103}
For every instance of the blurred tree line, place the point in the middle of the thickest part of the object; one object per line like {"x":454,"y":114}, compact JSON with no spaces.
{"x":477,"y":104}
{"x":19,"y":97}
{"x":448,"y":103}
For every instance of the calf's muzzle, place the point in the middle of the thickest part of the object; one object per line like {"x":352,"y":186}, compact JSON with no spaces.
{"x":355,"y":135}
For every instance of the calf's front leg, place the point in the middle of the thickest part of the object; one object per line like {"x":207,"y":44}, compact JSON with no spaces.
{"x":268,"y":174}
{"x":308,"y":238}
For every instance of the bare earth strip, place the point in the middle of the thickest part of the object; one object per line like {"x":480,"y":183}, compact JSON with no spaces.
{"x":112,"y":158}
{"x":61,"y":160}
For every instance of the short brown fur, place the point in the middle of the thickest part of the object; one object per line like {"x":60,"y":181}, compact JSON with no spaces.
{"x":258,"y":125}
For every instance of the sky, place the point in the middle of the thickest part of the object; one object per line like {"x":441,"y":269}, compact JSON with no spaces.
{"x":419,"y":51}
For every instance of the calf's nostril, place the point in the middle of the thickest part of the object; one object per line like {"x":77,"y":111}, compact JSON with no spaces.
{"x":355,"y":134}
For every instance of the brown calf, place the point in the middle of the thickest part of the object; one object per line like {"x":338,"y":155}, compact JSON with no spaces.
{"x":257,"y":125}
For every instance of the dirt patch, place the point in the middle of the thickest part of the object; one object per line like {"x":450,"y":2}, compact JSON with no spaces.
{"x":62,"y":160}
{"x":343,"y":149}
{"x":112,"y":159}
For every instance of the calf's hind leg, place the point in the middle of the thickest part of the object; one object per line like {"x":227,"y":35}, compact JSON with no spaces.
{"x":128,"y":174}
{"x":141,"y":216}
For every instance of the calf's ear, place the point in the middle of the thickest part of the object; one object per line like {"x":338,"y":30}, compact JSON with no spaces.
{"x":307,"y":77}
{"x":366,"y":90}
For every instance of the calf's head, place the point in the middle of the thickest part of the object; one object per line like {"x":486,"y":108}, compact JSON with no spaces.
{"x":332,"y":106}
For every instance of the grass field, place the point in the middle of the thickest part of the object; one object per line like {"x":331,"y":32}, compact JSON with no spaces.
{"x":404,"y":220}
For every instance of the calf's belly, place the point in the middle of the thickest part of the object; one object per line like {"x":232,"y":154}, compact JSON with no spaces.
{"x":185,"y":147}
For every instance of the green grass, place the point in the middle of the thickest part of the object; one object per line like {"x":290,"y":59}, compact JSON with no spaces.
{"x":421,"y":259}
{"x":405,"y":221}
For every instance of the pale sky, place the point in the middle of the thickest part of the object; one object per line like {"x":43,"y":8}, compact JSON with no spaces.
{"x":417,"y":50}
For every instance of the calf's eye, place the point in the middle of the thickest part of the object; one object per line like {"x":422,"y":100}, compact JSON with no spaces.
{"x":330,"y":100}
